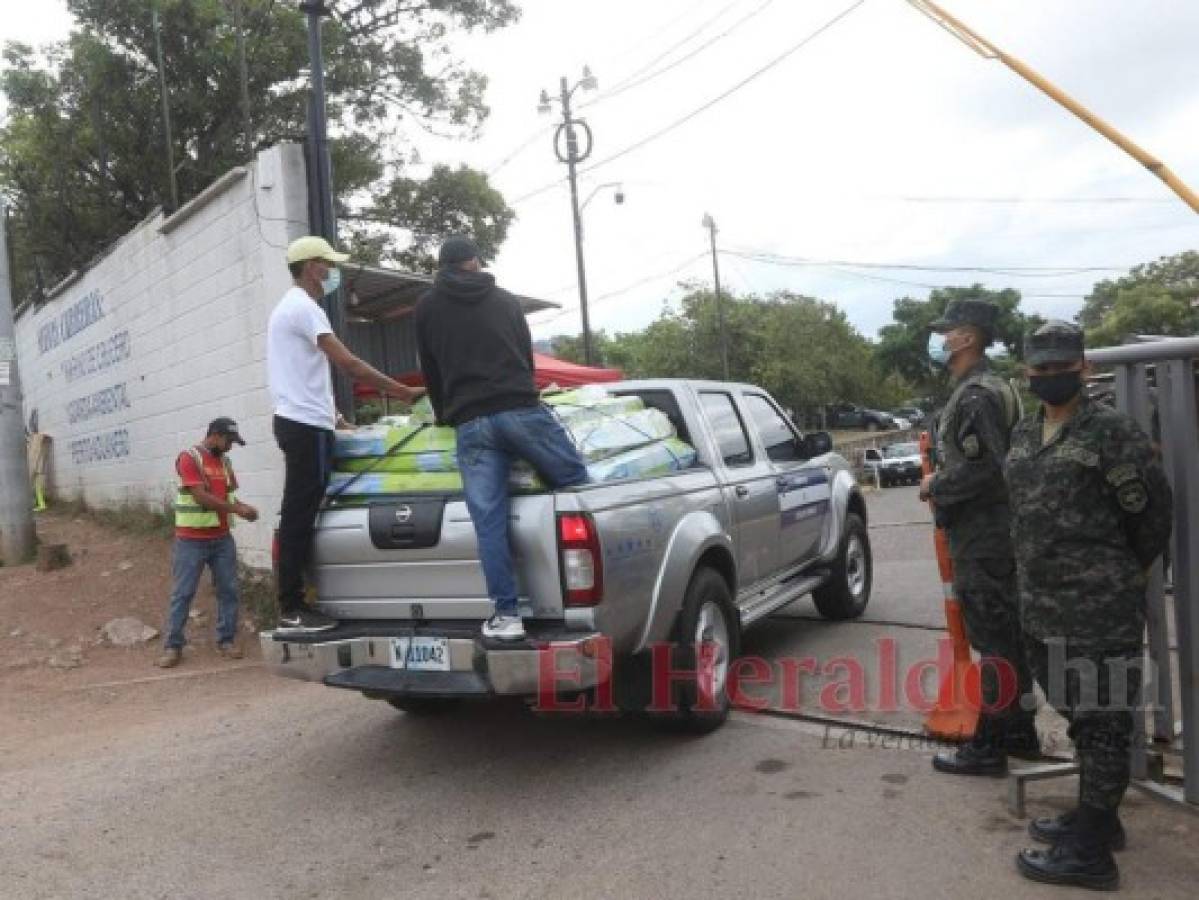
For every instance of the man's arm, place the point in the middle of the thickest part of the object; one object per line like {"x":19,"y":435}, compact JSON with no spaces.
{"x":211,"y":501}
{"x":984,"y":442}
{"x":351,"y":365}
{"x":1135,"y":479}
{"x":428,"y":366}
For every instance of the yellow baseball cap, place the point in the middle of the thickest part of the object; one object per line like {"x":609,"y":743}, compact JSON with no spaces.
{"x":311,"y":247}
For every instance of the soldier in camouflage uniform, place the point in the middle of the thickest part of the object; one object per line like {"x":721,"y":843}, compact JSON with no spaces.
{"x":970,"y":501}
{"x":1091,"y":512}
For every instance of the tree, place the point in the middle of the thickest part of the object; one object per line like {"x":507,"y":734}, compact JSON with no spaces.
{"x":903,"y":345}
{"x":802,"y":350}
{"x":1145,"y":309}
{"x":1178,"y":275}
{"x":81,"y":152}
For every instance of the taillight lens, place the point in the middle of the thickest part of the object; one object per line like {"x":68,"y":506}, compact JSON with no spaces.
{"x":579,"y":556}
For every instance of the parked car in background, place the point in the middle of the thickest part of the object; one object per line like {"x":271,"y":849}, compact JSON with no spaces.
{"x":895,"y":463}
{"x":848,"y":416}
{"x":913,"y":415}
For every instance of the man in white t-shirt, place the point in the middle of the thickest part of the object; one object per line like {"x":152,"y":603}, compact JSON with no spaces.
{"x":300,"y":344}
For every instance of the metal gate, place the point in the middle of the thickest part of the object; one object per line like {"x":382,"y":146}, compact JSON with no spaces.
{"x":1155,"y":384}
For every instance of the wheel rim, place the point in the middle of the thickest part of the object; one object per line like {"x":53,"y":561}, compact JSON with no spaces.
{"x":855,"y":566}
{"x":711,"y":628}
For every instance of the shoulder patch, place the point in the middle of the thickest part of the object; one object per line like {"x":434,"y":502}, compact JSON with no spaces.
{"x":970,"y":446}
{"x":1122,"y":474}
{"x":1132,"y":497}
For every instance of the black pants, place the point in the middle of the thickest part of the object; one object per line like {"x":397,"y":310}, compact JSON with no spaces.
{"x":308,"y":456}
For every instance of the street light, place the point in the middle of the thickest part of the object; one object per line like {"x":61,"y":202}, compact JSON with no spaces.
{"x":572,"y":157}
{"x":710,"y":224}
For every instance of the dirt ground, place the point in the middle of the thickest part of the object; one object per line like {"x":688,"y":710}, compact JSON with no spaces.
{"x":50,"y":622}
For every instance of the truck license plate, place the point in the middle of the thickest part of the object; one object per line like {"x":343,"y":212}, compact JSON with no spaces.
{"x":421,"y":654}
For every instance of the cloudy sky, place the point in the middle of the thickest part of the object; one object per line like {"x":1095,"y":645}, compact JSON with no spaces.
{"x":882,"y":140}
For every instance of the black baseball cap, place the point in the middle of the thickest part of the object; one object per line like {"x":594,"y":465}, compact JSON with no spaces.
{"x":979,"y":313}
{"x":457,"y":249}
{"x":227,"y":427}
{"x":1055,"y":341}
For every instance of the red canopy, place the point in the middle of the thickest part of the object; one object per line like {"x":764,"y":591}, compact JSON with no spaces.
{"x":546,"y":371}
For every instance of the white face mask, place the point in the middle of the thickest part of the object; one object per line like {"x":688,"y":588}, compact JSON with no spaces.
{"x":331,"y":282}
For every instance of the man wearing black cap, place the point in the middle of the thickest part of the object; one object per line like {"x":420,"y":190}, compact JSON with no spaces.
{"x":476,"y":355}
{"x":205,"y":499}
{"x":970,"y":501}
{"x":1091,"y":511}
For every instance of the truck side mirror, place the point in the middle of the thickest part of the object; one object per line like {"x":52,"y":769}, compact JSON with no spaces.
{"x":817,"y":444}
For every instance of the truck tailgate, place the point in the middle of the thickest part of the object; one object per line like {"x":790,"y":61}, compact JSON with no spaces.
{"x":417,"y":558}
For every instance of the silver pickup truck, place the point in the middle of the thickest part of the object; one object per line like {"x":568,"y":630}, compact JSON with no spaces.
{"x":606,"y":571}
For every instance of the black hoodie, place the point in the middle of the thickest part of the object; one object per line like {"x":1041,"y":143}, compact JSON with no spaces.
{"x":475,"y":349}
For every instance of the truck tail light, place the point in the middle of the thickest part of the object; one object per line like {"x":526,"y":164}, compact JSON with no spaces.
{"x":579,"y":560}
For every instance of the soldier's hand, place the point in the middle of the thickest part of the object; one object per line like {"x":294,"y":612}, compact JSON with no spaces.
{"x":925,"y":487}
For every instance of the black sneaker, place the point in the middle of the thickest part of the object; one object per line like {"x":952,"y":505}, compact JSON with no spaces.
{"x":306,"y":621}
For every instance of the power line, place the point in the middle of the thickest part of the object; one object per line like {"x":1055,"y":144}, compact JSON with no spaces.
{"x":611,"y":295}
{"x":630,"y":85}
{"x":630,"y":49}
{"x":669,"y":50}
{"x":1013,"y":271}
{"x":936,"y":287}
{"x":758,"y":73}
{"x":625,"y":84}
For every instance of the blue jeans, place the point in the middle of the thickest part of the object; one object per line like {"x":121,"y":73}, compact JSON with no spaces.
{"x":187,"y":564}
{"x":487,"y":447}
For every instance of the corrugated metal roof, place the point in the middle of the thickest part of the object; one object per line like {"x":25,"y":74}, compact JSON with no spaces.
{"x":375,"y":294}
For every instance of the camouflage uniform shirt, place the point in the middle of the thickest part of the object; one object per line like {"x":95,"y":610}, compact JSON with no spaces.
{"x":969,"y":494}
{"x":1091,"y":510}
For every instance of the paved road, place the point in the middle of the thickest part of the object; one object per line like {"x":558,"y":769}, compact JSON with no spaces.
{"x":240,"y":785}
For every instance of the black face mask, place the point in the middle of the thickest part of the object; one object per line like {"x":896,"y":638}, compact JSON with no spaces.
{"x":1056,"y":390}
{"x":217,"y":451}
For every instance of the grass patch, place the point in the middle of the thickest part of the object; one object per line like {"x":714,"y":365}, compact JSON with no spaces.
{"x":130,"y":518}
{"x":257,"y":590}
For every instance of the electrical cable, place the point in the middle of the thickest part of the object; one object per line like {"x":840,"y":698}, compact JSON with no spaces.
{"x":610,"y":295}
{"x":630,"y":85}
{"x":1007,"y":271}
{"x":661,"y":132}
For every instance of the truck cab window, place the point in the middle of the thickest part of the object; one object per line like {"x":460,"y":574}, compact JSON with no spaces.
{"x":727,"y":428}
{"x":777,"y":436}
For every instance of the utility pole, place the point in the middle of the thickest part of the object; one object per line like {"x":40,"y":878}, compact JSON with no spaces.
{"x":16,"y":496}
{"x":244,"y":77}
{"x":572,"y":157}
{"x":710,"y":224}
{"x":987,"y":50}
{"x":322,"y":220}
{"x":166,"y":109}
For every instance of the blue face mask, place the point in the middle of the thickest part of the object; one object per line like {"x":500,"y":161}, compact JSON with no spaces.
{"x":331,"y":281}
{"x":937,"y":353}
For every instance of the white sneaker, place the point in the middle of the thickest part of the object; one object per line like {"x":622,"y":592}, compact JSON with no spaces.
{"x":504,"y":628}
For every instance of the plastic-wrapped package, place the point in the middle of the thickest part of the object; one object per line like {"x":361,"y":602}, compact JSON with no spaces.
{"x":618,"y":436}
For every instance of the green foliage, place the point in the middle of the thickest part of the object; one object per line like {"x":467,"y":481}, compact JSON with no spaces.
{"x":903,"y":345}
{"x":1178,"y":275}
{"x":81,"y":151}
{"x":802,"y":350}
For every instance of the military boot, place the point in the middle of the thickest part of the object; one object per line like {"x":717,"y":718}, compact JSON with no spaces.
{"x":983,"y":755}
{"x":1055,"y":829}
{"x":1083,"y":859}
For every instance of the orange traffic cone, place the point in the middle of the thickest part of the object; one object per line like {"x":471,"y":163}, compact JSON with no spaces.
{"x":954,"y":718}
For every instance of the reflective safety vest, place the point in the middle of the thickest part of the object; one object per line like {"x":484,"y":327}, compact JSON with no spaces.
{"x":189,"y":513}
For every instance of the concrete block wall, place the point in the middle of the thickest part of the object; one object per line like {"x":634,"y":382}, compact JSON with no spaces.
{"x":126,"y":365}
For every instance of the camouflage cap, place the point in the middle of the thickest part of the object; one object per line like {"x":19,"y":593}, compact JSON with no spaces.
{"x":979,"y":313}
{"x":1055,"y":341}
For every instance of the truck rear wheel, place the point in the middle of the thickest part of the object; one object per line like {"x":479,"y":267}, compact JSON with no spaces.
{"x":707,"y":617}
{"x":846,"y":593}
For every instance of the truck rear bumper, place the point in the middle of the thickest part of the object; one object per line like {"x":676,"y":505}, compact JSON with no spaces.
{"x":477,"y":668}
